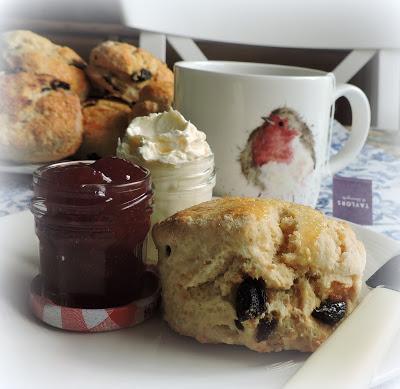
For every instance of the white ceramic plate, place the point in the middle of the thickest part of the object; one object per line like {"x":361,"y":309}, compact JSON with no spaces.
{"x":15,"y":168}
{"x":150,"y":355}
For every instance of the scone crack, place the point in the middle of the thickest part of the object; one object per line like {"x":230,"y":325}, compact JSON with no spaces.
{"x":79,"y":64}
{"x":214,"y":269}
{"x":108,"y":78}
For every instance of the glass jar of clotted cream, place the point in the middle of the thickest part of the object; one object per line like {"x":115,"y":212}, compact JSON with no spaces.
{"x":92,"y":220}
{"x":179,"y":159}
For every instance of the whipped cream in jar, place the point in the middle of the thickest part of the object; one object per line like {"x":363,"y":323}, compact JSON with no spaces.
{"x":179,"y":159}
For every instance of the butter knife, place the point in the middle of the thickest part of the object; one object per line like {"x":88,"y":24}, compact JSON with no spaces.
{"x":351,"y":355}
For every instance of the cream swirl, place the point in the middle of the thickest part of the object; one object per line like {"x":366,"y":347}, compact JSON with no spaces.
{"x":165,"y":137}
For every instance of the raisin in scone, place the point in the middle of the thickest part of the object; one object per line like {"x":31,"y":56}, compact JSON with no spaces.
{"x":266,"y":274}
{"x":40,"y":118}
{"x":104,"y":121}
{"x":22,"y":50}
{"x":122,"y":70}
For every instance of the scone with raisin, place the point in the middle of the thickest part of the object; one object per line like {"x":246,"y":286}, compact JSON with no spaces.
{"x":40,"y":119}
{"x":122,"y":70}
{"x":104,"y":121}
{"x":266,"y":274}
{"x":22,"y":50}
{"x":153,"y":98}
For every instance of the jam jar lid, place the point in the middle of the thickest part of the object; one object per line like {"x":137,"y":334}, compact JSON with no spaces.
{"x":81,"y":176}
{"x":100,"y":319}
{"x":109,"y":182}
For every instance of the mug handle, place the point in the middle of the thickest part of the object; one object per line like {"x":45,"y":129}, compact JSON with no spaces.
{"x":361,"y":117}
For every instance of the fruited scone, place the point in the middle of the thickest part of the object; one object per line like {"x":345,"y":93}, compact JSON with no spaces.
{"x":104,"y":121}
{"x":22,"y":50}
{"x":40,"y":118}
{"x":153,"y":98}
{"x":266,"y":274}
{"x":122,"y":70}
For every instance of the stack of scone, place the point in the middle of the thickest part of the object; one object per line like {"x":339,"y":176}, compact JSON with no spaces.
{"x":47,"y":111}
{"x":266,"y":274}
{"x":132,"y":82}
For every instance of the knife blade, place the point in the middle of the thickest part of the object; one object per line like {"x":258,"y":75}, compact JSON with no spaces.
{"x":387,"y":276}
{"x":350,"y":356}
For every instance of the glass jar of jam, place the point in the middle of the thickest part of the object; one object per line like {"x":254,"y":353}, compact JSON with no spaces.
{"x":92,"y":220}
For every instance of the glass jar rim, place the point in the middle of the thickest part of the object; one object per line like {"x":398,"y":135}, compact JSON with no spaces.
{"x":37,"y":176}
{"x":151,"y":164}
{"x":167,"y":170}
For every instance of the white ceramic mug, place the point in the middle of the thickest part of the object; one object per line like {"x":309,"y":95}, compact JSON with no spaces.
{"x":269,"y":126}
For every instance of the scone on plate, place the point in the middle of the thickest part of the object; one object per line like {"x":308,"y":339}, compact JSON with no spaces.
{"x":122,"y":70}
{"x":266,"y":274}
{"x":22,"y":50}
{"x":104,"y":121}
{"x":153,"y":98}
{"x":40,"y":118}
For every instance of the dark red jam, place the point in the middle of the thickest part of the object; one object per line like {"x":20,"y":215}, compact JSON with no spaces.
{"x":92,"y":219}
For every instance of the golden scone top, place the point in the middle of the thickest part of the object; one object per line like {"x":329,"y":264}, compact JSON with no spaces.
{"x":122,"y":57}
{"x":239,"y":208}
{"x":22,"y":50}
{"x":26,"y":42}
{"x":115,"y":56}
{"x":276,"y":232}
